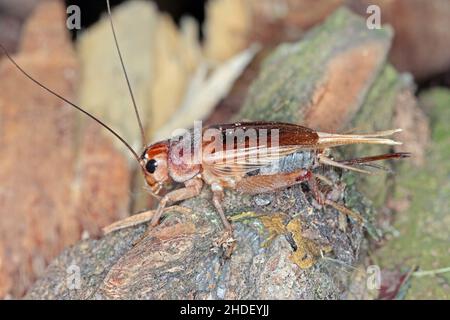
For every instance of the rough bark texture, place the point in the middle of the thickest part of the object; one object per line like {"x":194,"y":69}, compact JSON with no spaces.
{"x":281,"y":236}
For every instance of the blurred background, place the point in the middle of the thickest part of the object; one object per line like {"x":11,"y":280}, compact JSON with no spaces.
{"x":62,"y":179}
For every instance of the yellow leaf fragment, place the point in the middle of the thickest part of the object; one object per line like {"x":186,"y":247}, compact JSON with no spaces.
{"x":307,"y":251}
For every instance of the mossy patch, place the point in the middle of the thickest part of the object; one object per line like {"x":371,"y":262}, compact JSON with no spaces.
{"x":424,"y":227}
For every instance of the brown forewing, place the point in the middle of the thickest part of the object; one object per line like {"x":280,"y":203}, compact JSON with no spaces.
{"x":289,"y":134}
{"x":238,"y":159}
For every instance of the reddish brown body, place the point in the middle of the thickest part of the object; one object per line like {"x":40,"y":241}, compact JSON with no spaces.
{"x":232,"y":165}
{"x":172,"y":168}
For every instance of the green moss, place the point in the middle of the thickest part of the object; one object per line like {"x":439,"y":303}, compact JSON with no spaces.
{"x":291,"y":74}
{"x":424,"y":227}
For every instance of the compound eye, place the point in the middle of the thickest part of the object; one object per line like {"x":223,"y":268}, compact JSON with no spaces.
{"x":151,"y":165}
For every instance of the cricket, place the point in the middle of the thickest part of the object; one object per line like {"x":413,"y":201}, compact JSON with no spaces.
{"x":250,"y":167}
{"x":224,"y":150}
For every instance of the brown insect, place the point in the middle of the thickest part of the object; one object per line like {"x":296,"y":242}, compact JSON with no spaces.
{"x":258,"y":168}
{"x":257,"y":165}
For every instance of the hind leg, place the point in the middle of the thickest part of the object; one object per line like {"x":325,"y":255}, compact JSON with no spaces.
{"x":268,"y":183}
{"x":252,"y":185}
{"x":272,"y":182}
{"x":323,"y":200}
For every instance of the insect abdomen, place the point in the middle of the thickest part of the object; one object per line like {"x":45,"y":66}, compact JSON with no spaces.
{"x":289,"y":163}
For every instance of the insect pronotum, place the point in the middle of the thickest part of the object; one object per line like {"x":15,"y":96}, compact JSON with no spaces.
{"x":288,"y":155}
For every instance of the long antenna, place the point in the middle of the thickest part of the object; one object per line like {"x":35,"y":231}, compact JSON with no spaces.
{"x":141,"y":127}
{"x":70,"y":103}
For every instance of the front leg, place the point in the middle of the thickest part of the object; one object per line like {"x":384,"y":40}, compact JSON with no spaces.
{"x":192,"y":188}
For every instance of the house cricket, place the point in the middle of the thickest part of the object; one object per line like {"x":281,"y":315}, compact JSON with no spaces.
{"x":251,"y":167}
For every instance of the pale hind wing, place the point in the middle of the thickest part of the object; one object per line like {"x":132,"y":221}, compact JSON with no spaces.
{"x":242,"y":161}
{"x":328,"y":140}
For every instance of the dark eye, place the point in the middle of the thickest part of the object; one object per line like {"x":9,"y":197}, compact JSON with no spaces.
{"x":151,"y":165}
